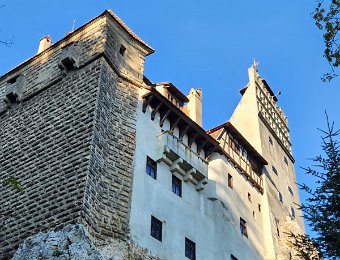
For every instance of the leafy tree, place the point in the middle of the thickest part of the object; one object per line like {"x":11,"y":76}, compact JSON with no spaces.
{"x":322,"y":208}
{"x":327,"y":19}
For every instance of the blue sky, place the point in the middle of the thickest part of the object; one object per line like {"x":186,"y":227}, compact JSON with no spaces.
{"x":208,"y":45}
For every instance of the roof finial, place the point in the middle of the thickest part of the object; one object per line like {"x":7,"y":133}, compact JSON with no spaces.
{"x":255,"y":63}
{"x":74,"y":21}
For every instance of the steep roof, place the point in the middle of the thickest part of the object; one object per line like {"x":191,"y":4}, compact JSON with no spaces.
{"x":128,"y":30}
{"x":240,"y":138}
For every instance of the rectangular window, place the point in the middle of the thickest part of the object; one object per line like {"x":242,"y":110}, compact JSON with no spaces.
{"x":274,"y":170}
{"x":122,"y":50}
{"x":285,"y":160}
{"x":293,"y":213}
{"x":259,"y":206}
{"x":281,"y":198}
{"x":176,"y":186}
{"x":156,"y":228}
{"x":243,"y":227}
{"x":151,"y":167}
{"x":190,"y":249}
{"x":270,"y":140}
{"x":249,"y":197}
{"x":232,"y":257}
{"x":230,"y":181}
{"x":290,"y":190}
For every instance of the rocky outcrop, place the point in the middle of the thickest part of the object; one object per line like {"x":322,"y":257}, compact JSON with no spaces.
{"x":73,"y":243}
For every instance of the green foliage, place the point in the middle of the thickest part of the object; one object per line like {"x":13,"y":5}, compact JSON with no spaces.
{"x":322,"y":208}
{"x":327,"y":19}
{"x":13,"y":182}
{"x":57,"y":252}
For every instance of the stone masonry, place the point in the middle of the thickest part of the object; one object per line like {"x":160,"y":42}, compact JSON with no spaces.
{"x":67,"y":133}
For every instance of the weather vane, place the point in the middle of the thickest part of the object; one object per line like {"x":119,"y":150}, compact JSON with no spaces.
{"x":255,"y":63}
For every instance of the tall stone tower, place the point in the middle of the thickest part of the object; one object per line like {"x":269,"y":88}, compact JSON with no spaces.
{"x":67,"y":133}
{"x":263,"y":123}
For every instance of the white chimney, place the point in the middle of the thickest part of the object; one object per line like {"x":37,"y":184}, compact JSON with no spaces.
{"x":193,"y":109}
{"x":45,"y":42}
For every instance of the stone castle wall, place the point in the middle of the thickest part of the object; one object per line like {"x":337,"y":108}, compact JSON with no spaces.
{"x":69,"y":138}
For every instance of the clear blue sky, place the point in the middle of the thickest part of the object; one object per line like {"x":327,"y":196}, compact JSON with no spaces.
{"x":208,"y":45}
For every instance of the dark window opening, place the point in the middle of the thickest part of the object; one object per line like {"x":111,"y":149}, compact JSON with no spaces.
{"x":156,"y":228}
{"x":275,"y":171}
{"x":122,"y":50}
{"x":243,"y":227}
{"x":230,"y":181}
{"x":270,"y":140}
{"x":249,"y":197}
{"x":11,"y":97}
{"x":259,"y":206}
{"x":151,"y":167}
{"x":232,"y":257}
{"x":234,"y":145}
{"x":190,"y":249}
{"x":290,"y":190}
{"x":281,"y":198}
{"x":285,"y":160}
{"x":293,"y":212}
{"x":176,"y":186}
{"x":13,"y":80}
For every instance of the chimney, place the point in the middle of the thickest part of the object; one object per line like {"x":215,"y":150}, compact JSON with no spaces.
{"x":45,"y":42}
{"x":193,"y":109}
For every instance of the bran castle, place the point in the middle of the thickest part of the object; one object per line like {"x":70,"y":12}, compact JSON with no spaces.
{"x":93,"y":141}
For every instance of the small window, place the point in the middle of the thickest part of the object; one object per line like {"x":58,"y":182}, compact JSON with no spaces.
{"x":156,"y":228}
{"x":259,"y":206}
{"x":249,"y":196}
{"x":281,"y":198}
{"x":151,"y":167}
{"x":243,"y":227}
{"x":230,"y":181}
{"x":274,"y":170}
{"x":233,"y":257}
{"x":254,"y":216}
{"x":285,"y":160}
{"x":190,"y":249}
{"x":290,"y":190}
{"x":293,"y":212}
{"x":122,"y":50}
{"x":270,"y":140}
{"x":176,"y":186}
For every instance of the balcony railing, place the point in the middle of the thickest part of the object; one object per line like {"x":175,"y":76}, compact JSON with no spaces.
{"x":182,"y":159}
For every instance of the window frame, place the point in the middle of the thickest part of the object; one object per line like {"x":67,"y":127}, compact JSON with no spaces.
{"x":270,"y":140}
{"x":122,"y":50}
{"x":290,"y":191}
{"x":275,"y":170}
{"x":159,"y":233}
{"x":150,"y":167}
{"x":176,"y":182}
{"x":285,"y":160}
{"x":230,"y":181}
{"x":243,"y":227}
{"x":280,"y":197}
{"x":189,"y":254}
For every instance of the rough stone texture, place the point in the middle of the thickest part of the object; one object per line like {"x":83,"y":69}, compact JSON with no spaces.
{"x":73,"y":243}
{"x":45,"y":145}
{"x":107,"y":196}
{"x":70,"y":137}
